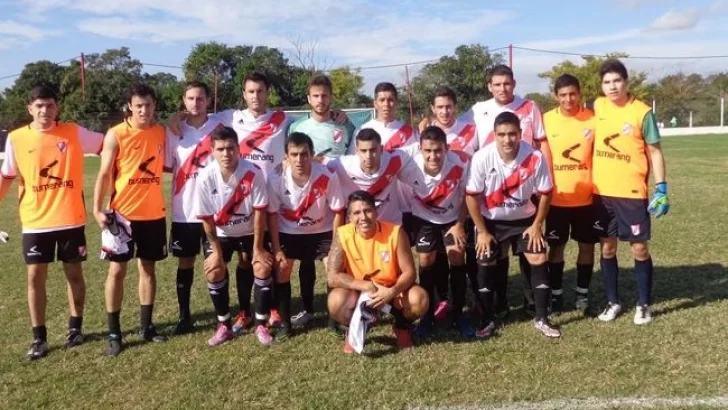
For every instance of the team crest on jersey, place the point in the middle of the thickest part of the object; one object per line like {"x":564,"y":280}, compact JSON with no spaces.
{"x":635,"y":229}
{"x":244,"y":189}
{"x":587,"y":133}
{"x":523,"y":174}
{"x":338,"y":135}
{"x":627,"y":129}
{"x":62,"y":146}
{"x":81,"y":251}
{"x":385,"y":256}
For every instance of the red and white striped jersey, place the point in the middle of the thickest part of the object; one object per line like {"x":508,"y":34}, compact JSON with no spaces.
{"x":483,"y":114}
{"x":445,"y":191}
{"x":507,"y":188}
{"x":395,"y":134}
{"x":462,"y":136}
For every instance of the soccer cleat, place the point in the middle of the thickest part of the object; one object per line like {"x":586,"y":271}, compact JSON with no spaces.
{"x":462,"y":324}
{"x":425,"y":327}
{"x":222,"y":335}
{"x":184,"y":326}
{"x":113,"y":345}
{"x":275,"y":319}
{"x":557,"y":304}
{"x":643,"y":315}
{"x":348,"y":348}
{"x":485,"y":331}
{"x":263,"y":335}
{"x":582,"y":302}
{"x":150,"y":335}
{"x":38,"y":349}
{"x":610,"y":312}
{"x":441,"y":310}
{"x":336,"y":329}
{"x":547,"y":328}
{"x":404,"y":338}
{"x":302,"y":318}
{"x":284,"y":331}
{"x":242,"y":321}
{"x":74,"y":338}
{"x":502,"y":313}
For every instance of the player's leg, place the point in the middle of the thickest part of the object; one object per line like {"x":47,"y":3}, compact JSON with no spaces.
{"x":471,"y":265}
{"x":262,"y":294}
{"x":442,"y":285}
{"x":185,"y":240}
{"x":218,"y":286}
{"x":151,"y":239}
{"x":557,"y":235}
{"x":114,"y":295}
{"x":38,"y":252}
{"x":72,"y":252}
{"x":541,"y":290}
{"x":607,"y":226}
{"x":411,"y":305}
{"x":488,"y":269}
{"x":643,"y":270}
{"x":427,"y":241}
{"x":340,"y":305}
{"x":283,"y":297}
{"x":307,"y":281}
{"x":583,"y":232}
{"x":244,"y":280}
{"x":458,"y":284}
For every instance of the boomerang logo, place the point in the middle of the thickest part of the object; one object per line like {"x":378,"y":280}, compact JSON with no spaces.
{"x":45,"y":172}
{"x":567,"y":153}
{"x":144,"y":166}
{"x":243,"y":193}
{"x":608,"y":140}
{"x":197,"y":158}
{"x":251,"y":143}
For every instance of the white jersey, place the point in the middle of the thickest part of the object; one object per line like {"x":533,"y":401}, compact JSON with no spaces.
{"x":483,"y":115}
{"x":262,"y":140}
{"x":462,"y":136}
{"x":395,"y":134}
{"x":231,"y":204}
{"x":308,"y":209}
{"x":395,"y":167}
{"x":507,"y":188}
{"x":191,"y":153}
{"x":445,"y":191}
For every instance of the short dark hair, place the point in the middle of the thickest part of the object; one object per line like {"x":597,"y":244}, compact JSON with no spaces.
{"x":141,"y":90}
{"x":224,"y":133}
{"x":42,"y":92}
{"x":299,"y":138}
{"x":446,"y":92}
{"x":500,"y":69}
{"x":197,"y":84}
{"x":507,"y":117}
{"x":369,"y":134}
{"x":319,"y":80}
{"x":433,"y":133}
{"x":384,"y":87}
{"x":257,"y":77}
{"x":566,"y":80}
{"x":615,"y":66}
{"x":361,"y":195}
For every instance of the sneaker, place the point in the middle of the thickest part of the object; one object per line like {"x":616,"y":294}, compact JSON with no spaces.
{"x":485,"y":331}
{"x":263,"y":335}
{"x":74,"y":338}
{"x":283,"y":332}
{"x":275,"y":318}
{"x":348,"y":348}
{"x":302,"y":318}
{"x":242,"y":321}
{"x":404,"y":338}
{"x":150,"y":335}
{"x":643,"y":315}
{"x":38,"y":349}
{"x":425,"y":327}
{"x":113,"y":345}
{"x":222,"y":335}
{"x":610,"y":312}
{"x":184,"y":326}
{"x":582,"y":302}
{"x":462,"y":324}
{"x":547,"y":328}
{"x":441,"y":310}
{"x":557,"y":304}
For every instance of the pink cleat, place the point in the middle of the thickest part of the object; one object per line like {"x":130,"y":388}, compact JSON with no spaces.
{"x":263,"y":335}
{"x":441,"y":310}
{"x":222,"y":335}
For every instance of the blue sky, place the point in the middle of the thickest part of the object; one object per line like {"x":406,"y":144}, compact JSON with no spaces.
{"x":369,"y":33}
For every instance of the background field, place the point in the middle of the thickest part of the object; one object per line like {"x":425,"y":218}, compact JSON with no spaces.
{"x":681,"y":354}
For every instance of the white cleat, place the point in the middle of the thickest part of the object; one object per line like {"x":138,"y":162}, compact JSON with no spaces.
{"x":610,"y":312}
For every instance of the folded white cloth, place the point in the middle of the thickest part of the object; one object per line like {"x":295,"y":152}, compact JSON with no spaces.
{"x":360,"y":321}
{"x":115,"y":236}
{"x":4,"y":237}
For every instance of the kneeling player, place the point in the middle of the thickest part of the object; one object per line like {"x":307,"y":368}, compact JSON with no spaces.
{"x":232,"y":202}
{"x":373,"y":256}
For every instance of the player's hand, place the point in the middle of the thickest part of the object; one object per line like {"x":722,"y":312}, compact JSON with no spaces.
{"x":339,"y":117}
{"x":660,"y":203}
{"x":281,"y":260}
{"x":458,"y":234}
{"x":484,"y":245}
{"x":213,"y":262}
{"x":263,"y":257}
{"x":381,"y":296}
{"x":101,"y":218}
{"x":424,"y":123}
{"x":174,"y":123}
{"x":534,"y":236}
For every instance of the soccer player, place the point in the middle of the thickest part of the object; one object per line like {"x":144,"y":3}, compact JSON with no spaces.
{"x":305,"y":207}
{"x":231,"y":203}
{"x":626,"y":149}
{"x":133,"y":158}
{"x":439,"y":224}
{"x":373,"y":256}
{"x":503,"y":177}
{"x":48,"y":157}
{"x":570,"y":130}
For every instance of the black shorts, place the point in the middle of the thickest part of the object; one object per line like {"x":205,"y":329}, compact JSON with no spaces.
{"x":429,"y":236}
{"x":623,"y":218}
{"x":578,"y":220}
{"x":306,"y":247}
{"x":186,"y":239}
{"x":512,"y":232}
{"x":409,"y":225}
{"x":150,"y":240}
{"x":67,"y":245}
{"x":230,"y":245}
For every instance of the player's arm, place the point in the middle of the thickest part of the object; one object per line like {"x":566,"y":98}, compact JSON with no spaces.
{"x":108,"y":156}
{"x":9,"y":169}
{"x":260,"y":215}
{"x":660,"y":203}
{"x":406,"y":279}
{"x":272,"y":215}
{"x":92,"y":142}
{"x":336,"y":274}
{"x":5,"y":183}
{"x":215,"y":260}
{"x":544,"y":189}
{"x":474,"y":191}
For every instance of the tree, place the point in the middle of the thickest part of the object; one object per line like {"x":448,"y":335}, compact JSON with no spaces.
{"x":346,"y":84}
{"x":544,"y":101}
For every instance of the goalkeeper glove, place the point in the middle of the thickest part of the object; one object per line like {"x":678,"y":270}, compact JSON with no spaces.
{"x":659,"y":204}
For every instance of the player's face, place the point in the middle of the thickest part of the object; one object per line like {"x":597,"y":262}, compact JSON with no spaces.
{"x":385,"y":102}
{"x":370,"y":154}
{"x":195,"y":100}
{"x":44,"y":111}
{"x":569,"y":98}
{"x":256,"y":96}
{"x":319,"y":98}
{"x":226,"y":153}
{"x":614,"y":87}
{"x":434,"y":154}
{"x":299,"y":158}
{"x":502,"y":86}
{"x":444,"y":110}
{"x":363,"y":216}
{"x":507,"y":136}
{"x":142,"y":109}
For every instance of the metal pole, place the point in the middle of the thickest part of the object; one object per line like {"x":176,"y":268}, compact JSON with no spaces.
{"x":83,"y":76}
{"x":409,"y":95}
{"x":691,"y":120}
{"x":510,"y":56}
{"x":722,"y":111}
{"x":654,"y":111}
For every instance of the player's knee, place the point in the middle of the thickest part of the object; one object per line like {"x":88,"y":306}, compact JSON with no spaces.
{"x":147,"y":267}
{"x":640,"y":251}
{"x":341,"y":303}
{"x":215,"y":275}
{"x":261,"y":271}
{"x":455,"y":256}
{"x":609,"y":249}
{"x":586,"y":253}
{"x":36,"y":277}
{"x":556,"y":253}
{"x":536,"y":258}
{"x":427,"y":259}
{"x":186,"y":262}
{"x":417,"y":303}
{"x":117,"y":271}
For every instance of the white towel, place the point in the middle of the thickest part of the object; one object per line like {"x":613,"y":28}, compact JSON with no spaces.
{"x":4,"y":237}
{"x":360,"y":321}
{"x":115,"y":236}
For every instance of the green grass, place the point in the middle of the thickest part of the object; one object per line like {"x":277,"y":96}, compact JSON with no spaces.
{"x":682,"y":353}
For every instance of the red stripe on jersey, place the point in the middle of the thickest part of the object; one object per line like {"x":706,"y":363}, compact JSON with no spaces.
{"x":399,"y":138}
{"x":194,"y":162}
{"x":464,"y":137}
{"x":242,"y":191}
{"x":462,"y":155}
{"x":444,"y":188}
{"x":395,"y":164}
{"x":318,"y":189}
{"x":521,"y":174}
{"x":522,"y":110}
{"x":260,"y":135}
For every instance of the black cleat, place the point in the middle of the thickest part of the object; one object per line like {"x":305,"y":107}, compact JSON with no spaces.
{"x":150,"y":335}
{"x":38,"y":349}
{"x":283,"y":332}
{"x":74,"y":338}
{"x":113,"y":345}
{"x":336,"y":329}
{"x":184,"y":326}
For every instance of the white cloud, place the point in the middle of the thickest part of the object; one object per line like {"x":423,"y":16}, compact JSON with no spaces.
{"x":580,"y":41}
{"x":719,"y":6}
{"x":15,"y":35}
{"x":677,"y":20}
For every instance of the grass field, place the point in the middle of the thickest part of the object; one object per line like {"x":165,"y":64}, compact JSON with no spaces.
{"x":682,"y":354}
